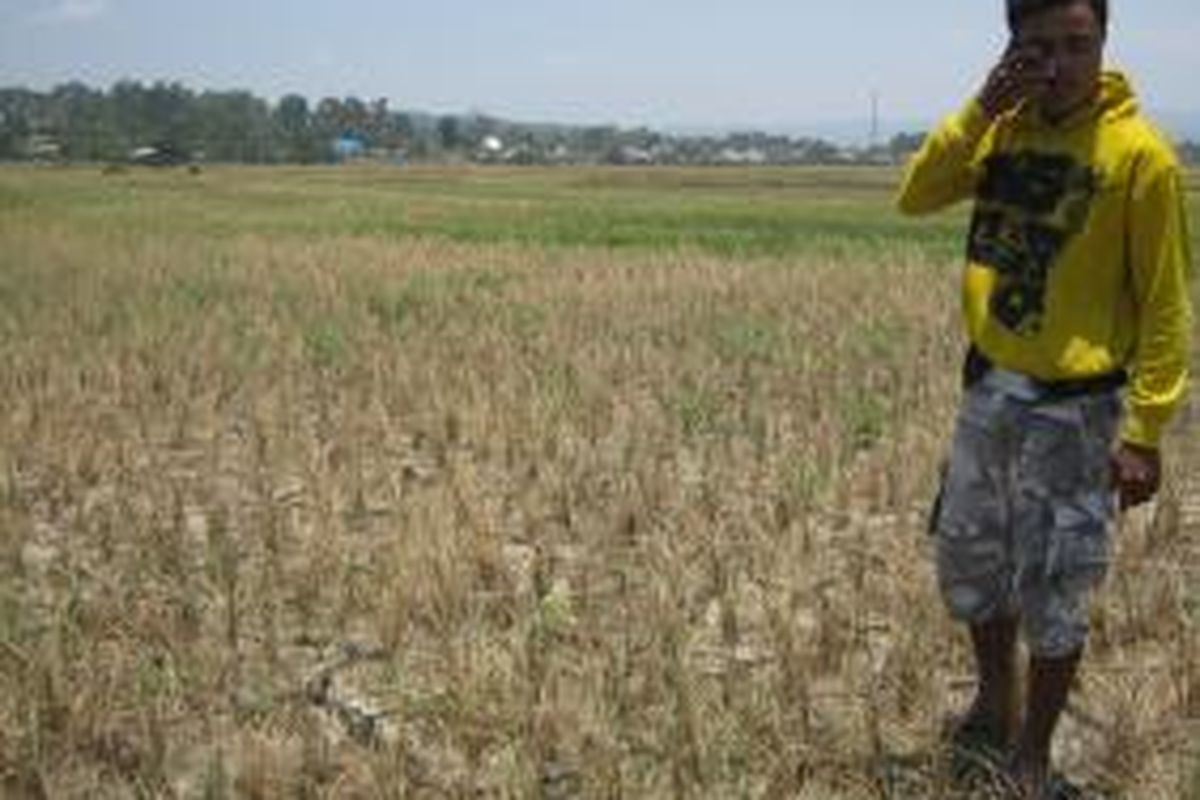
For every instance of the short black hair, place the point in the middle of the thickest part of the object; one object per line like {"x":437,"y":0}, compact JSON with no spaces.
{"x":1020,"y":9}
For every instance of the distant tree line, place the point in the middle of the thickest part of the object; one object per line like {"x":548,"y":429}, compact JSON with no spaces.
{"x":1190,"y":152}
{"x":172,"y":123}
{"x":77,"y":122}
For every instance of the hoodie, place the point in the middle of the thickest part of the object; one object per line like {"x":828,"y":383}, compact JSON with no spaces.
{"x":1078,"y":250}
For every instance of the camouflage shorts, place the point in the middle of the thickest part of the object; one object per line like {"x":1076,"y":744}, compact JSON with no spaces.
{"x":1021,"y":523}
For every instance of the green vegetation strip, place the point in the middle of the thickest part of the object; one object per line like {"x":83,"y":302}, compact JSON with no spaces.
{"x":765,"y":212}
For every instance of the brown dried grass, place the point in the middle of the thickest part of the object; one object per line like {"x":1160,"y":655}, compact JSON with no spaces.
{"x":355,"y":517}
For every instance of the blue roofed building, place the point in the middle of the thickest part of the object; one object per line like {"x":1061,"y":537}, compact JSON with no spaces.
{"x":348,"y":147}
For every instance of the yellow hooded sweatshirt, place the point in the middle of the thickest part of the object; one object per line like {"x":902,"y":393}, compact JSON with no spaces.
{"x":1078,"y":251}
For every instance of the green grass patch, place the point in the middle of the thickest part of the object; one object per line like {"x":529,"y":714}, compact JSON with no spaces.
{"x":769,"y":212}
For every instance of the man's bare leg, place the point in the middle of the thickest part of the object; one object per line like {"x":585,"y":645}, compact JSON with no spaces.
{"x":993,"y":712}
{"x":1049,"y":685}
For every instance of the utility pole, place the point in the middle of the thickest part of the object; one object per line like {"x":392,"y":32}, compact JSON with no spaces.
{"x":874,"y":137}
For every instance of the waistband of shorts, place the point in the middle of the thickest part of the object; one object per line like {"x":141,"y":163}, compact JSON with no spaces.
{"x":1030,"y":388}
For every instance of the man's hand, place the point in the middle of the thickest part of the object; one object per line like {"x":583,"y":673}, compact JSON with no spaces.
{"x":1019,"y":74}
{"x":1136,"y":474}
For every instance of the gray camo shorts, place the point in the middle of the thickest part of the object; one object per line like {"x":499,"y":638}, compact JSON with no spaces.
{"x":1022,"y":518}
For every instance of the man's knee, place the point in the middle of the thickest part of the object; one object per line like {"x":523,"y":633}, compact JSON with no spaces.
{"x":977,"y":600}
{"x":1055,"y":618}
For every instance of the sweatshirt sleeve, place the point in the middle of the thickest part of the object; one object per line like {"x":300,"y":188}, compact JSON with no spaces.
{"x":1160,"y":263}
{"x":944,"y":170}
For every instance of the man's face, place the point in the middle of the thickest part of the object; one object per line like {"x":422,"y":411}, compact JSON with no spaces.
{"x":1065,"y":44}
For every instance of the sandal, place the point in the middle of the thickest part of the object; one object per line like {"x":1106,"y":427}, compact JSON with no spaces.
{"x":976,"y":747}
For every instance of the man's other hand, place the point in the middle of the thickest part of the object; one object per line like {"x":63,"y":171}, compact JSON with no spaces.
{"x":1136,"y":474}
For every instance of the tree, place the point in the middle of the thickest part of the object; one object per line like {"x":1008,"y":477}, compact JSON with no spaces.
{"x":599,"y":139}
{"x":125,"y":115}
{"x":296,"y":130}
{"x":1189,"y":152}
{"x":380,"y":128}
{"x":902,"y":145}
{"x":234,"y":126}
{"x":291,"y":115}
{"x":327,"y":119}
{"x":17,"y":107}
{"x":449,"y":132}
{"x":355,"y":118}
{"x":404,"y":126}
{"x":167,"y":108}
{"x":81,"y":123}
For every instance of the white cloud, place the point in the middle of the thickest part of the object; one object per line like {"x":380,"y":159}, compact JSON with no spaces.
{"x":67,"y":12}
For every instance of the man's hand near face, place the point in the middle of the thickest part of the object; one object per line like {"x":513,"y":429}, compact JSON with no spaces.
{"x":1018,"y":76}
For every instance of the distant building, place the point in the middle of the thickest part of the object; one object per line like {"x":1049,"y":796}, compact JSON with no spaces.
{"x":559,"y":154}
{"x":44,"y":148}
{"x":348,"y":147}
{"x":158,"y":155}
{"x":749,"y":155}
{"x":490,"y":149}
{"x":142,"y":155}
{"x":629,"y":155}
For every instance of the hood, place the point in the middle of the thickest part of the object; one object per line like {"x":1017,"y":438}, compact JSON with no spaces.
{"x":1115,"y":99}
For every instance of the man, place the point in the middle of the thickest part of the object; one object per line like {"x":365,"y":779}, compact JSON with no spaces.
{"x":1075,"y":295}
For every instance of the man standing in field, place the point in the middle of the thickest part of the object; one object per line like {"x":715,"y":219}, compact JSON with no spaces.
{"x":1075,"y":300}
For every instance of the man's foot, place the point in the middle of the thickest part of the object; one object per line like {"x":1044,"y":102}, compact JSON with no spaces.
{"x":1039,"y":783}
{"x":977,"y":743}
{"x":1030,"y":778}
{"x":1049,"y":683}
{"x":979,"y":729}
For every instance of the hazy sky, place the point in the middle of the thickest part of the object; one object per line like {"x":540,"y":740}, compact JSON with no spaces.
{"x":659,"y":62}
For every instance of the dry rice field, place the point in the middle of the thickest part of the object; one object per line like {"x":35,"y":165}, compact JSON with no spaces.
{"x":484,"y":483}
